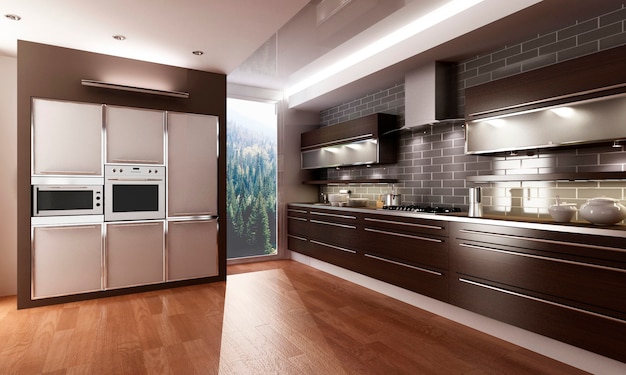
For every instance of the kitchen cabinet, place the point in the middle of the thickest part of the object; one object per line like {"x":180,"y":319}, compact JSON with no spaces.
{"x":366,"y":140}
{"x":590,"y":76}
{"x":192,"y":250}
{"x":134,"y":253}
{"x":192,"y":164}
{"x":566,"y":286}
{"x":66,"y":259}
{"x":297,"y":236}
{"x":408,"y":252}
{"x":134,"y":135}
{"x":66,"y":138}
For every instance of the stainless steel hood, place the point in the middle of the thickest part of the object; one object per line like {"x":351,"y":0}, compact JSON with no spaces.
{"x":594,"y":120}
{"x":431,"y":95}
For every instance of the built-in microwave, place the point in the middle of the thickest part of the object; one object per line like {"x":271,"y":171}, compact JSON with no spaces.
{"x":63,"y":200}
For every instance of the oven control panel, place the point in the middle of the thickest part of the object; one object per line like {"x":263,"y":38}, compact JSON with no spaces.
{"x":122,"y":170}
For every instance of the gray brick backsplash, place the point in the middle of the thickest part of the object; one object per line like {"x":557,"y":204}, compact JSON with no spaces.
{"x":432,"y":167}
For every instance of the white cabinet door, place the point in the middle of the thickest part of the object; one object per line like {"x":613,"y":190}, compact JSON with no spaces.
{"x":134,"y":136}
{"x":66,"y":260}
{"x":134,"y":254}
{"x":192,"y":164}
{"x":192,"y":250}
{"x":66,"y":138}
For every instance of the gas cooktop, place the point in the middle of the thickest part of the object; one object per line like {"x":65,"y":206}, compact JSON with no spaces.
{"x":427,"y":209}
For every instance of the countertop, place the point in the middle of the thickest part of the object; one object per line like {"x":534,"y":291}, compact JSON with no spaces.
{"x":583,"y":227}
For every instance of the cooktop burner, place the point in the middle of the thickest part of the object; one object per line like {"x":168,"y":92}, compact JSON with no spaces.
{"x":428,"y":209}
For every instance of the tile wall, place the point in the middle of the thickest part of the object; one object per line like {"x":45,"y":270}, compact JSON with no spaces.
{"x":432,"y":166}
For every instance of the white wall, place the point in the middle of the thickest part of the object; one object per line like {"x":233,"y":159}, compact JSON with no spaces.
{"x":8,"y":176}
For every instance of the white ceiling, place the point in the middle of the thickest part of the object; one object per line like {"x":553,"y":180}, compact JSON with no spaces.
{"x":280,"y":39}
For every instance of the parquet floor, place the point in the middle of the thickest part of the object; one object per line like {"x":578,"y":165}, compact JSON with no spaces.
{"x":269,"y":318}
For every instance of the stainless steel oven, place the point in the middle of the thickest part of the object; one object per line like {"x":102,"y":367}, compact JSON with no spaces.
{"x":67,"y":197}
{"x":134,"y":192}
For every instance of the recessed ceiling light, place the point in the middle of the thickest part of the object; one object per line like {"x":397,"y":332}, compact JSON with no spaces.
{"x":198,"y":53}
{"x":119,"y":37}
{"x":13,"y":17}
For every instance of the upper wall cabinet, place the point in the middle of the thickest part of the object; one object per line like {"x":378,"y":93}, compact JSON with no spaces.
{"x":66,"y":138}
{"x":134,"y":135}
{"x":192,"y":164}
{"x":367,"y":140}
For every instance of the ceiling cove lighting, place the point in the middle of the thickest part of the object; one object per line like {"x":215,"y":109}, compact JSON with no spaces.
{"x":115,"y":86}
{"x":423,"y":23}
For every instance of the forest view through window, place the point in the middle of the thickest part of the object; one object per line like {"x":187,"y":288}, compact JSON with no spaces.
{"x":251,"y":133}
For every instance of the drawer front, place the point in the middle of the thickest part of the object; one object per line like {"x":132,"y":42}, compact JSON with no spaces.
{"x":412,"y":248}
{"x":403,"y":224}
{"x":564,"y":323}
{"x":425,"y":280}
{"x":293,"y":211}
{"x":337,"y":255}
{"x":588,"y":286}
{"x":297,"y":226}
{"x":327,"y":230}
{"x":299,"y":244}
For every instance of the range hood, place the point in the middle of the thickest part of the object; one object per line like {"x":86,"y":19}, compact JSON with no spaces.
{"x":585,"y":121}
{"x":431,"y":95}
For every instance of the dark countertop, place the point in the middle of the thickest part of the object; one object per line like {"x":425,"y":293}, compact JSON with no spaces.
{"x":583,"y":227}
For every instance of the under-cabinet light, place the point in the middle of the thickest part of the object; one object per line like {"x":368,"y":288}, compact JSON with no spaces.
{"x":115,"y":86}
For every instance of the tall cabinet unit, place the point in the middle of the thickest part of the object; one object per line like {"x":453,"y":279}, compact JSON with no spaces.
{"x":66,"y":138}
{"x":192,"y":211}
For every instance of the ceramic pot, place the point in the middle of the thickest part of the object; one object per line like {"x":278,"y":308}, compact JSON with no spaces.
{"x":562,"y":213}
{"x":603,"y":211}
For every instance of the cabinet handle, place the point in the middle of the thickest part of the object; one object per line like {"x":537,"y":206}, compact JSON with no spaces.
{"x":193,"y":214}
{"x":65,"y":227}
{"x":296,"y":218}
{"x":541,"y":240}
{"x":338,"y":141}
{"x":136,"y":161}
{"x":404,"y":264}
{"x":134,"y":179}
{"x":333,"y":247}
{"x":193,"y":221}
{"x":403,"y":223}
{"x":298,"y":211}
{"x":297,"y":237}
{"x":606,"y":268}
{"x":404,"y":235}
{"x":134,"y":225}
{"x":510,"y":292}
{"x":333,"y":215}
{"x":333,"y":224}
{"x":68,"y":172}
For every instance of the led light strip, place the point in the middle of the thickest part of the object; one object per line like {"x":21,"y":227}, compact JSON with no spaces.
{"x":115,"y":86}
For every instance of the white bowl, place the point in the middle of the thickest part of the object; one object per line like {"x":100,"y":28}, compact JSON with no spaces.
{"x":332,"y":198}
{"x":562,"y":213}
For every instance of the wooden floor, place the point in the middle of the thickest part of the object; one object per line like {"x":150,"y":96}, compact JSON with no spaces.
{"x":268,"y":318}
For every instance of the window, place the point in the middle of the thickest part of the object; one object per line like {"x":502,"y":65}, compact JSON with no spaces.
{"x":251,"y":134}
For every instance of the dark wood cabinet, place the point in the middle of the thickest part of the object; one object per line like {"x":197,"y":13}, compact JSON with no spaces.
{"x":408,"y":252}
{"x":567,"y":286}
{"x":586,"y":77}
{"x":571,"y":287}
